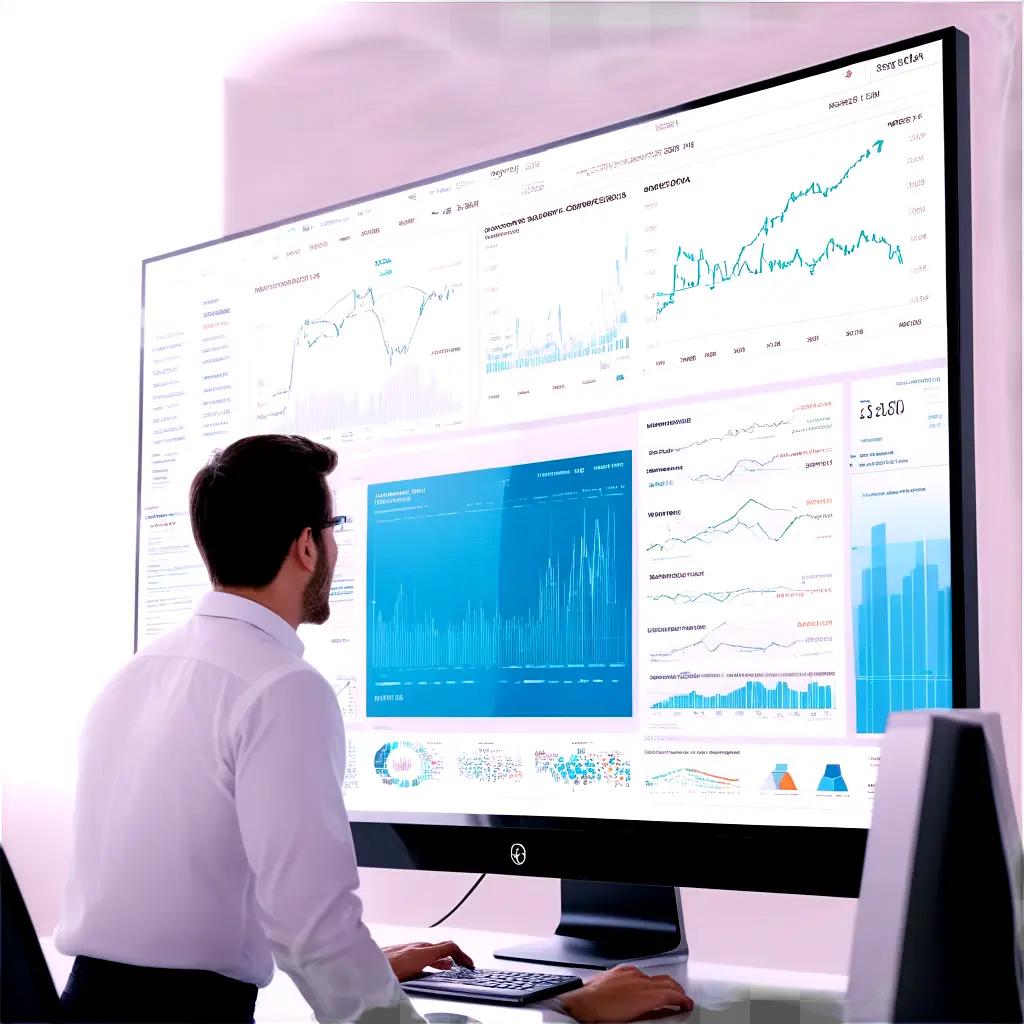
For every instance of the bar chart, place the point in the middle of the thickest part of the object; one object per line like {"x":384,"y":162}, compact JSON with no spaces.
{"x":901,"y":557}
{"x":903,"y":630}
{"x":755,"y":695}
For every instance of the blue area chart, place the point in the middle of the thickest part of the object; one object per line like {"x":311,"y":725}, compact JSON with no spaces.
{"x":502,"y":592}
{"x":696,"y":269}
{"x":754,"y":696}
{"x":903,"y":631}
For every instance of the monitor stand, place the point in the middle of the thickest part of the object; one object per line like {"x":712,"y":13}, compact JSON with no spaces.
{"x":608,"y":923}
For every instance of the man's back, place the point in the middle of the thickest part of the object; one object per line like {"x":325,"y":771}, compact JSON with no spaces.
{"x":160,"y":875}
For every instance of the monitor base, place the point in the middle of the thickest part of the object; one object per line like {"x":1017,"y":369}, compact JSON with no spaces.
{"x":608,"y":923}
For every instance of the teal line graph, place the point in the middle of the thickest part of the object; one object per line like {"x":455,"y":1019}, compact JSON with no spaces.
{"x":730,"y":434}
{"x":725,"y":596}
{"x":694,"y":270}
{"x":749,"y":465}
{"x":365,"y":304}
{"x":733,"y":523}
{"x":713,"y":646}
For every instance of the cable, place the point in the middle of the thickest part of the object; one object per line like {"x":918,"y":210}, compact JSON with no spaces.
{"x":472,"y":889}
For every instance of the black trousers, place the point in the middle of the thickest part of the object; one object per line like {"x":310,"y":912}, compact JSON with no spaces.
{"x":103,"y":992}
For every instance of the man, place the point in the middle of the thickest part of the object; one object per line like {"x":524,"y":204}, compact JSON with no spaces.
{"x":210,"y":835}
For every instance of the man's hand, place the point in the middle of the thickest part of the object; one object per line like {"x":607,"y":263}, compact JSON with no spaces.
{"x":626,"y":993}
{"x":411,"y":959}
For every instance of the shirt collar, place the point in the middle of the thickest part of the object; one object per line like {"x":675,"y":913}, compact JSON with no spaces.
{"x":219,"y":605}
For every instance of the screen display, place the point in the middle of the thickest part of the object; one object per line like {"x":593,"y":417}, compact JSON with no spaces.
{"x":644,"y":440}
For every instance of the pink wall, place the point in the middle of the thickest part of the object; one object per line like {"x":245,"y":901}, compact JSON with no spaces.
{"x":372,"y":96}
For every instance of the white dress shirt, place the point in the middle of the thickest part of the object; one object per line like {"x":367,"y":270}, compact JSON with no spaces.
{"x":209,"y":827}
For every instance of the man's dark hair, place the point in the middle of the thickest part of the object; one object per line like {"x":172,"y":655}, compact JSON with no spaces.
{"x":253,"y":499}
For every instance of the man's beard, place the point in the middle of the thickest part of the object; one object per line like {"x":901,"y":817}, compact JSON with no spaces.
{"x":316,"y":598}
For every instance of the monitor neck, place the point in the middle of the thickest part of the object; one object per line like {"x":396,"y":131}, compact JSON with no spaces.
{"x":603,"y":924}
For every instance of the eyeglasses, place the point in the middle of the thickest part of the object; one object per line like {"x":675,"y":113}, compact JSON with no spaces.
{"x":337,"y":523}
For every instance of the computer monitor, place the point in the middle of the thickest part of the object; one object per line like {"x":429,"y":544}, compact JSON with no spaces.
{"x":657,"y":443}
{"x":939,"y":923}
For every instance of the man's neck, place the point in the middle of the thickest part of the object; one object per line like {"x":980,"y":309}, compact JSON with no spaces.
{"x":270,"y":599}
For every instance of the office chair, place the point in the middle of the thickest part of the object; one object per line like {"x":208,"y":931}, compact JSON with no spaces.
{"x":27,"y":992}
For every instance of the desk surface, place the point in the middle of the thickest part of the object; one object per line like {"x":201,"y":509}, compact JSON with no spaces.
{"x":724,"y":994}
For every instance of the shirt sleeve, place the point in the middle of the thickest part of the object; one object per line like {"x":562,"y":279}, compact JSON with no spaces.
{"x":289,"y":763}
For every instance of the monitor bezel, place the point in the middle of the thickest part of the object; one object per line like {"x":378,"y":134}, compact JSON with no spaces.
{"x":817,"y":860}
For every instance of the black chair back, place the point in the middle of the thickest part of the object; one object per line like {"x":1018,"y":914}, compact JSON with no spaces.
{"x":27,"y":992}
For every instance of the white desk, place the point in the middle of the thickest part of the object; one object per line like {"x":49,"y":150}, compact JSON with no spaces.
{"x":723,"y":994}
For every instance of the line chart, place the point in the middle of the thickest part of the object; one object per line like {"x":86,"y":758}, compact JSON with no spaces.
{"x":781,"y":262}
{"x":366,"y":304}
{"x":738,"y":556}
{"x":761,"y":522}
{"x":388,"y":355}
{"x":745,"y":465}
{"x":728,"y":435}
{"x":693,"y":781}
{"x":711,"y":643}
{"x":693,"y":270}
{"x":723,"y":597}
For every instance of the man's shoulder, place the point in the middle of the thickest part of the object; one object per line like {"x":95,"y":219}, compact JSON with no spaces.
{"x":227,"y":647}
{"x":255,"y":669}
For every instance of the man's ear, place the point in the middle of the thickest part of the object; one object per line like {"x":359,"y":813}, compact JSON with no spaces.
{"x":306,"y":550}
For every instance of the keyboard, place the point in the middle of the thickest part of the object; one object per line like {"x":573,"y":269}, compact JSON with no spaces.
{"x":486,"y":985}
